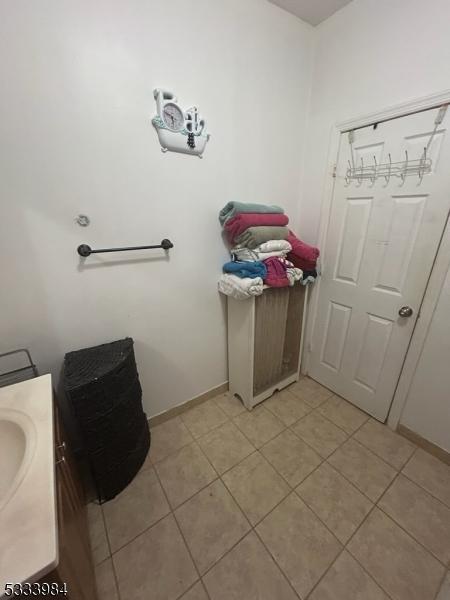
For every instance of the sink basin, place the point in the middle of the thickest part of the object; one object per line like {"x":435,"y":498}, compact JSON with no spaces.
{"x":28,"y":519}
{"x":17,"y":444}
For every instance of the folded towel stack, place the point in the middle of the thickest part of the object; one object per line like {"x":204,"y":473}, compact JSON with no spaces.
{"x":235,"y":208}
{"x":249,"y":225}
{"x":261,"y":241}
{"x":256,"y":224}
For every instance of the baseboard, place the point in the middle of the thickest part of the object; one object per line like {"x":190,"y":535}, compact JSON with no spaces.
{"x":424,"y":444}
{"x":181,"y":408}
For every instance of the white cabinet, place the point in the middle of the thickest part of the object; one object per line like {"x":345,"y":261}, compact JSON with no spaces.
{"x":265,"y":342}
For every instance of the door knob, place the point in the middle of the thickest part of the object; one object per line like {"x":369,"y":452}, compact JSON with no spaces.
{"x":405,"y":311}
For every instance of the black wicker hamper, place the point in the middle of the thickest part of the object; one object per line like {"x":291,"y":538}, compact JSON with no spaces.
{"x":102,"y":385}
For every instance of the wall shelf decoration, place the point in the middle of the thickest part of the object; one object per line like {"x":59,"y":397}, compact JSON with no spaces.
{"x":178,"y":130}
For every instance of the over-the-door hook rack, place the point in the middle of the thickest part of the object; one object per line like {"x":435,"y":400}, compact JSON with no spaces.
{"x":85,"y":250}
{"x":408,"y":167}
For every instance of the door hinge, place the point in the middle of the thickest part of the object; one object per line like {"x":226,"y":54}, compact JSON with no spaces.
{"x":333,"y":174}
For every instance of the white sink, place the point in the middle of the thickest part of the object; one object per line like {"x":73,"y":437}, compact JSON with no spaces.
{"x":28,"y":521}
{"x":17,"y":446}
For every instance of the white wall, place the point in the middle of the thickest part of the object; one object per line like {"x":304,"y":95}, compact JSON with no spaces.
{"x":370,"y":55}
{"x":427,"y":408}
{"x":75,"y":109}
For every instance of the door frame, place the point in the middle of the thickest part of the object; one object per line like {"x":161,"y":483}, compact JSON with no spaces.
{"x":439,"y":268}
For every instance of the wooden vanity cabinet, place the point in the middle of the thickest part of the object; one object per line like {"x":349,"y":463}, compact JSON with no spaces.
{"x":75,"y":567}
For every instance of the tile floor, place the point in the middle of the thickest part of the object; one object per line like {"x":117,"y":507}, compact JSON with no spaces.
{"x":303,"y":497}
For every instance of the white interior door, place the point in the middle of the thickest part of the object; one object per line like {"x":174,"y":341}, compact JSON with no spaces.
{"x":381,"y":243}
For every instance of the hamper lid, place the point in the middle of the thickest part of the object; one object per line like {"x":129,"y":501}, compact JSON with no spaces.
{"x":88,"y":364}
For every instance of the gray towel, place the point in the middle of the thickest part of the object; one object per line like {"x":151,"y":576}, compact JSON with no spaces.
{"x":254,"y":236}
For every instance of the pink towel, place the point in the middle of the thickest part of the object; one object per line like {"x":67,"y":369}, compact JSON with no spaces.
{"x":276,"y":272}
{"x":242,"y":221}
{"x":302,"y":255}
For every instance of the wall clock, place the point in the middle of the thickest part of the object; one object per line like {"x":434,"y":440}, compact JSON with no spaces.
{"x":178,"y":130}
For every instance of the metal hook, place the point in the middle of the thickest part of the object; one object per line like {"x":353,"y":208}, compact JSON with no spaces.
{"x":405,"y":167}
{"x":375,"y":169}
{"x":361,"y":168}
{"x":422,"y":164}
{"x":388,"y":176}
{"x":348,"y":173}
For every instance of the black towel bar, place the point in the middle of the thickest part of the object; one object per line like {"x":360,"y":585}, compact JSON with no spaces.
{"x":85,"y":250}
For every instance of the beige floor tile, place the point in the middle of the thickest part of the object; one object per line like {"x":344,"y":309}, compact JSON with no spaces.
{"x":184,"y":473}
{"x":148,"y":463}
{"x":256,"y":486}
{"x":259,"y":425}
{"x":343,"y":414}
{"x":225,"y":446}
{"x":106,"y":582}
{"x":335,"y":501}
{"x":301,"y":545}
{"x":423,"y":517}
{"x":211,"y":523}
{"x":197,"y":592}
{"x":168,"y":438}
{"x":431,"y":474}
{"x":444,"y":592}
{"x":247,"y":573}
{"x":369,"y":473}
{"x":156,"y":565}
{"x":287,"y":407}
{"x":291,"y":457}
{"x":347,"y":580}
{"x":397,"y":562}
{"x":141,"y":504}
{"x":97,"y":533}
{"x":391,"y":447}
{"x":203,"y":418}
{"x":310,"y":391}
{"x":231,"y":405}
{"x":320,"y":433}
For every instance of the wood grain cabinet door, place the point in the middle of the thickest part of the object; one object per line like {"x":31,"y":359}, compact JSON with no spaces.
{"x":75,"y":568}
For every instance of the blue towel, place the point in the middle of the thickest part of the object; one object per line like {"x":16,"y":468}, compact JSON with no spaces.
{"x":246,"y":269}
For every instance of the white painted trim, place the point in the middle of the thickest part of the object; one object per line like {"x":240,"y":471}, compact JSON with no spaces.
{"x":302,"y":333}
{"x":398,"y":110}
{"x":443,"y":255}
{"x":325,"y":210}
{"x":276,"y":386}
{"x":428,"y":306}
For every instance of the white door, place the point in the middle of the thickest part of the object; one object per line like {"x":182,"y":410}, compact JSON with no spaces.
{"x":381,"y":243}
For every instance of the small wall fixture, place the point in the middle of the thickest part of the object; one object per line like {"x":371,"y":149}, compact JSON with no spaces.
{"x":85,"y":250}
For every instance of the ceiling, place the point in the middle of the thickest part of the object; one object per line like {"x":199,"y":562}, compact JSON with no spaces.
{"x":312,"y":11}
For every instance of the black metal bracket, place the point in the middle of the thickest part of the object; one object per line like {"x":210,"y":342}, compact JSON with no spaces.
{"x":85,"y":250}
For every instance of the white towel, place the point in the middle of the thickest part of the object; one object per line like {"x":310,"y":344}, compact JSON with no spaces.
{"x":274,"y":246}
{"x":271,"y":248}
{"x":240,"y":287}
{"x":294,"y":274}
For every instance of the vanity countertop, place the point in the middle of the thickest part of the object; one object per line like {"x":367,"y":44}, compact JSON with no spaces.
{"x":28,"y":517}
